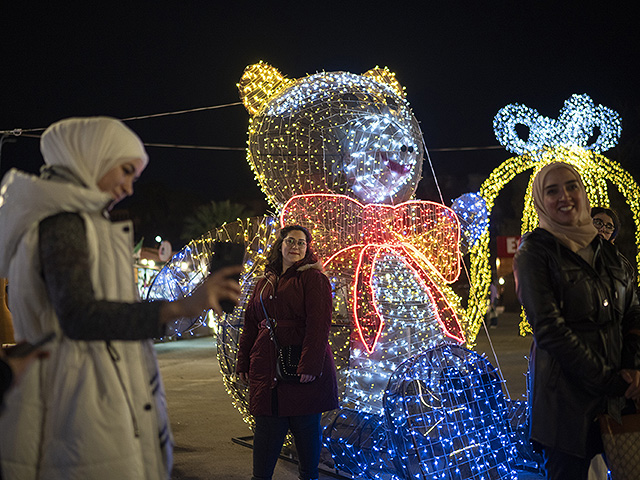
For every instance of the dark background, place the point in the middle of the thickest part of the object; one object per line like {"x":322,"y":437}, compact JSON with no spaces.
{"x":459,"y":61}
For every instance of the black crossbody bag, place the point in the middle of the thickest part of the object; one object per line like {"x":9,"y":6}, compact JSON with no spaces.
{"x":287,"y":358}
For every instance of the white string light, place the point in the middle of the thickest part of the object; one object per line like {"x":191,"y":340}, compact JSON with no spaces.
{"x":578,"y":120}
{"x":391,"y":261}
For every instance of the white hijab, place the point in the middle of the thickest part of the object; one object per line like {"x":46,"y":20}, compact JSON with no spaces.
{"x":90,"y":146}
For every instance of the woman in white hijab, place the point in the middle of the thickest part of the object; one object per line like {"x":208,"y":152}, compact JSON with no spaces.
{"x":95,"y":409}
{"x":580,"y":302}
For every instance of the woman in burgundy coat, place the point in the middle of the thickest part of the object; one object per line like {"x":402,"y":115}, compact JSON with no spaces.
{"x":297,"y":295}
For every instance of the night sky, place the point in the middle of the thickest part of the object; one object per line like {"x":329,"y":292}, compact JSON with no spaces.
{"x":459,"y":65}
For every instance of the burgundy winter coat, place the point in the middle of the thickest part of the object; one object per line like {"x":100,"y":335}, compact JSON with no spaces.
{"x":302,"y":307}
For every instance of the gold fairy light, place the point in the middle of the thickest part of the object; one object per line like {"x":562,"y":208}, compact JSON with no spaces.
{"x":342,"y":154}
{"x":331,"y":132}
{"x":549,"y":140}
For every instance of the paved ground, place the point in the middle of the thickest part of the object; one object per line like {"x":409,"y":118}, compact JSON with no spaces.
{"x":205,"y":423}
{"x":511,"y":350}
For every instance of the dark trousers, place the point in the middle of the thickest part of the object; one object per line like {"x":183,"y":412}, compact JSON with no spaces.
{"x":268,"y":438}
{"x":560,"y":466}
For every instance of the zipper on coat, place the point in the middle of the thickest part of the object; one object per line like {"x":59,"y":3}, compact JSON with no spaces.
{"x":115,"y":358}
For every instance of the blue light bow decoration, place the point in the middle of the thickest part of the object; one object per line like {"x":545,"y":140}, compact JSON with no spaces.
{"x":473,"y":214}
{"x":446,"y":417}
{"x":575,"y":125}
{"x":359,"y":444}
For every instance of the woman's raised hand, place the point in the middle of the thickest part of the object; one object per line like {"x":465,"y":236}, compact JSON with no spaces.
{"x":220,"y":285}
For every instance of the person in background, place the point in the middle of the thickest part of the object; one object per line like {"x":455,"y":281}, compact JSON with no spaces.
{"x":492,"y":312}
{"x":13,"y":367}
{"x":606,"y":222}
{"x":6,"y":376}
{"x":95,"y":409}
{"x":584,"y":312}
{"x":297,"y":295}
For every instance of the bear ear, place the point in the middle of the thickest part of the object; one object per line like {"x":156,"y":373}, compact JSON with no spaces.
{"x":258,"y":84}
{"x":386,"y":76}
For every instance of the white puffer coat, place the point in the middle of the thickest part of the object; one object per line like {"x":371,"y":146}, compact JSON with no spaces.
{"x":93,"y":409}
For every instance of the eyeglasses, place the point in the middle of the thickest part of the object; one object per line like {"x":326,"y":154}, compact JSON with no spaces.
{"x":290,"y":241}
{"x":600,"y":224}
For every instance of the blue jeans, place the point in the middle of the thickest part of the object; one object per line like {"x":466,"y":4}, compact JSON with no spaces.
{"x":268,"y":438}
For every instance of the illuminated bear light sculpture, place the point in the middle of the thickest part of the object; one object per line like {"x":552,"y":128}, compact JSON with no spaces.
{"x":332,"y":132}
{"x":342,"y":154}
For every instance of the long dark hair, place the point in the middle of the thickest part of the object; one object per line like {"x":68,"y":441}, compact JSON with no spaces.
{"x":274,"y":258}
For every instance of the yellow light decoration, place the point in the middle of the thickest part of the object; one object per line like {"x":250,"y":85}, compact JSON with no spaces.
{"x":258,"y":84}
{"x":385,"y":76}
{"x":596,"y":170}
{"x":188,"y":268}
{"x":342,"y":154}
{"x":343,"y":142}
{"x":331,"y":132}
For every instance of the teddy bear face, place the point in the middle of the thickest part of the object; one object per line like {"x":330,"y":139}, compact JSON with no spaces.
{"x":332,"y":132}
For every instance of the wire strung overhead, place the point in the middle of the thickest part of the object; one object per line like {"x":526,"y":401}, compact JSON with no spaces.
{"x":34,"y":133}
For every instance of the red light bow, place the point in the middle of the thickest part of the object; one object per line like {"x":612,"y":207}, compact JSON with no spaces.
{"x":353,"y":237}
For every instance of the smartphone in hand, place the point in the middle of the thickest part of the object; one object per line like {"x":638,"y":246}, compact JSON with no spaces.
{"x":226,"y":254}
{"x":24,"y":349}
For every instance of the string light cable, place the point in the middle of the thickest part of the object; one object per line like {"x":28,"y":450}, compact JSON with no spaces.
{"x":464,"y":265}
{"x":30,"y":133}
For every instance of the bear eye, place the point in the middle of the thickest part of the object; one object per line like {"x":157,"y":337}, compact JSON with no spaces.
{"x":410,"y":149}
{"x":403,"y":148}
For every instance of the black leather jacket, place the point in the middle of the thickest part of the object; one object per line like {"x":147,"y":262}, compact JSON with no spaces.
{"x":581,"y":316}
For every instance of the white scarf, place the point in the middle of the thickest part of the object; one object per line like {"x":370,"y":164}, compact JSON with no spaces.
{"x":90,"y":146}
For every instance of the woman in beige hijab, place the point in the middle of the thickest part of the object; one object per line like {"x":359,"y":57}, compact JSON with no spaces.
{"x":581,"y":305}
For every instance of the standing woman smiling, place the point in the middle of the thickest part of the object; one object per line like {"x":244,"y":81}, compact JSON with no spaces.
{"x":95,"y":409}
{"x":580,"y":302}
{"x":296,"y":294}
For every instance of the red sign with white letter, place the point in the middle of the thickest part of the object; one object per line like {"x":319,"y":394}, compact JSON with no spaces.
{"x":507,"y":246}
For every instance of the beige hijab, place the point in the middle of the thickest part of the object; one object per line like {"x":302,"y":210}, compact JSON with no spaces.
{"x":576,"y":237}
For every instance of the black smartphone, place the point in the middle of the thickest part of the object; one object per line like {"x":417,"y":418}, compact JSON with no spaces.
{"x":24,"y":349}
{"x":224,"y":255}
